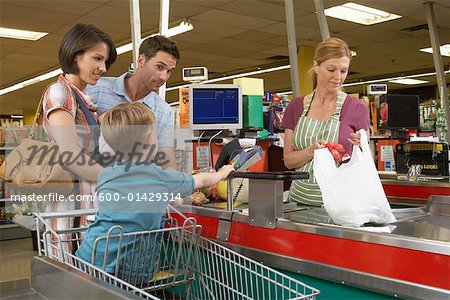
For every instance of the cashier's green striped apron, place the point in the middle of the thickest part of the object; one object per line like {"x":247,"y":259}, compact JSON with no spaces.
{"x":307,"y":132}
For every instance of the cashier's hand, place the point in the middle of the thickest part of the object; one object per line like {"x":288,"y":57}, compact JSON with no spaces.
{"x":317,"y":145}
{"x":355,"y":138}
{"x":225,"y":171}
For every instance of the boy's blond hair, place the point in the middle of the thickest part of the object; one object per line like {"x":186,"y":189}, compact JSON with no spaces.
{"x":127,"y":126}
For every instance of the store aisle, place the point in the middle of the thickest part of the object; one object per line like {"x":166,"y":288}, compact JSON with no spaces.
{"x":15,"y":259}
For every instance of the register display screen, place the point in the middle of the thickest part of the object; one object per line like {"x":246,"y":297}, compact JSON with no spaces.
{"x":215,"y":106}
{"x":403,"y":111}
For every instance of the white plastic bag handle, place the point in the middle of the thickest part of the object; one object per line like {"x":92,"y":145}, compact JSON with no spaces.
{"x":364,"y":141}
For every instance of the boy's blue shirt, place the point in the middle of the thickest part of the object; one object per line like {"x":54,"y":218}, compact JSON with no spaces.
{"x":140,"y":182}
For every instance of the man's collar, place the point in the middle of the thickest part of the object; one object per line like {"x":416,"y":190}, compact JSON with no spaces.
{"x":119,"y":85}
{"x":119,"y":89}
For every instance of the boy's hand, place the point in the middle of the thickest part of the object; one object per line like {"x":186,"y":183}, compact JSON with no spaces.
{"x":225,"y":171}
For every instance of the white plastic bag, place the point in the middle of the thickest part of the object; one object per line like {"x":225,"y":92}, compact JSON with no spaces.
{"x":352,"y":193}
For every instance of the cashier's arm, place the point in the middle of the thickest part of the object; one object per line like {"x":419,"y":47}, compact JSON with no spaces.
{"x":296,"y":158}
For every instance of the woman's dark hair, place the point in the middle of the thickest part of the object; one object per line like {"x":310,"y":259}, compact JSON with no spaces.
{"x":79,"y":39}
{"x":150,"y":46}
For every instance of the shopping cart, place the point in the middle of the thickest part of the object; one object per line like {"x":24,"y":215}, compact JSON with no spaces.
{"x":182,"y":265}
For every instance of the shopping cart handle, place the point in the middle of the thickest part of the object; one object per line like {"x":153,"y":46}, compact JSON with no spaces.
{"x":289,"y":175}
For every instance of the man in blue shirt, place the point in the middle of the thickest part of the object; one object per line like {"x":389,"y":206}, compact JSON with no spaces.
{"x":158,"y":57}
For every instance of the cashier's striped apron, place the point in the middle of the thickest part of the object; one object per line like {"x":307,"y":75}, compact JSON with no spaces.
{"x":308,"y":131}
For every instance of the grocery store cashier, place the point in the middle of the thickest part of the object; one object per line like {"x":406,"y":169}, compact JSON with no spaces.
{"x":327,"y":114}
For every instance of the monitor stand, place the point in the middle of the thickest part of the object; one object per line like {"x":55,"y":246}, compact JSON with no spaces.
{"x":401,"y":134}
{"x":248,"y":134}
{"x":207,"y":134}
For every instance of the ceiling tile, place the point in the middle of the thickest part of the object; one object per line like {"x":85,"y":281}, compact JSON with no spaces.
{"x":244,"y":46}
{"x":375,"y":34}
{"x":253,"y":36}
{"x":184,"y":10}
{"x":274,"y":28}
{"x":276,"y":51}
{"x":223,"y":17}
{"x":257,"y":8}
{"x":353,"y":41}
{"x":111,"y":12}
{"x":208,"y":28}
{"x":277,"y":40}
{"x":306,"y":33}
{"x":195,"y":37}
{"x":36,"y":14}
{"x":225,"y":51}
{"x":14,"y":22}
{"x":61,"y":6}
{"x":193,"y":54}
{"x":206,"y":3}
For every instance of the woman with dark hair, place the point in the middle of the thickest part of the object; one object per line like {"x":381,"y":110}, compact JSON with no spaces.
{"x":69,"y":116}
{"x":326,"y":115}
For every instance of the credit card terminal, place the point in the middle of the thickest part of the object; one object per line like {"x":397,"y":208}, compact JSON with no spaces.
{"x":247,"y":158}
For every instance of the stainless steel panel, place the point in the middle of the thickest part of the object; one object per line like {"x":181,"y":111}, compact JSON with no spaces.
{"x":18,"y":289}
{"x":54,"y":280}
{"x":390,"y":286}
{"x":265,"y":202}
{"x":223,"y":232}
{"x":440,"y":205}
{"x":206,"y":211}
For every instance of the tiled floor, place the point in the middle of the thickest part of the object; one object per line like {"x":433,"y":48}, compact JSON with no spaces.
{"x":15,"y":259}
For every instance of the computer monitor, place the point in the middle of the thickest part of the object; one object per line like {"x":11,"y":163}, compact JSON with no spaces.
{"x":403,"y":112}
{"x":215,"y":106}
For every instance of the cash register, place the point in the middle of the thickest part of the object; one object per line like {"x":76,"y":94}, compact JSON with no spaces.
{"x":431,"y":156}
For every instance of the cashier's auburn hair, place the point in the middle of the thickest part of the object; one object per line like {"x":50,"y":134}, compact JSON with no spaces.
{"x":126,"y":126}
{"x":328,"y":49}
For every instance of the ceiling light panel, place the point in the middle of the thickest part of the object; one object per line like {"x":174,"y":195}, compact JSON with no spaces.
{"x":445,"y":50}
{"x":360,"y":14}
{"x":408,"y":81}
{"x":21,"y":34}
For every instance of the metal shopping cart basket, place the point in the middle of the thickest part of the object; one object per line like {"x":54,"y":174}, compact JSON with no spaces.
{"x":182,"y":265}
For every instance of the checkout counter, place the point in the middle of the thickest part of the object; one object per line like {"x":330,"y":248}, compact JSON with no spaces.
{"x":409,"y":258}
